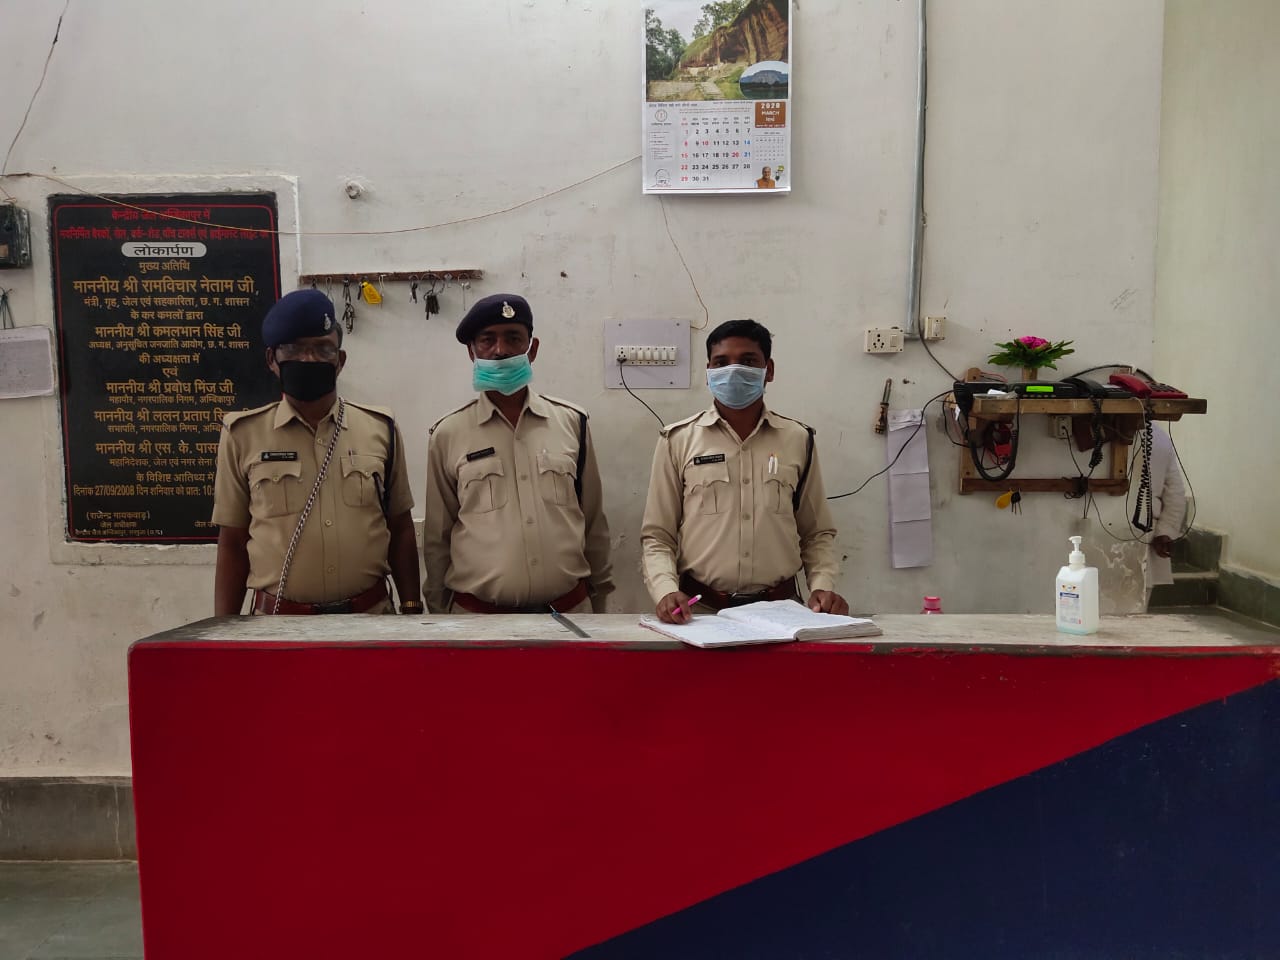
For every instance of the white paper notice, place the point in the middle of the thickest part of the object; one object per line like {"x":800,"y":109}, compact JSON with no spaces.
{"x":910,"y":510}
{"x":26,"y":362}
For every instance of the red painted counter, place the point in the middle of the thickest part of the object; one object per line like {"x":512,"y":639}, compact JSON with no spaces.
{"x":492,"y":787}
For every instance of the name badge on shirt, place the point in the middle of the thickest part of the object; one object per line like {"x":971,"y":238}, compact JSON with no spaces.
{"x":709,"y":458}
{"x":271,"y":456}
{"x":480,"y":454}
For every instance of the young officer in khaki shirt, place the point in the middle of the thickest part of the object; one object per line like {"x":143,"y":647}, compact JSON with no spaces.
{"x":514,"y":513}
{"x":359,"y":527}
{"x":736,"y":504}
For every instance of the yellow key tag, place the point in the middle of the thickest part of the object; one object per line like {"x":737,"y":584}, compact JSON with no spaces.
{"x":369,"y":293}
{"x":1004,"y":500}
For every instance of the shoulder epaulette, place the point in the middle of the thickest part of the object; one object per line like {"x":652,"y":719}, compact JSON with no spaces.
{"x":668,"y":427}
{"x":465,"y":406}
{"x":565,"y":403}
{"x":237,"y":415}
{"x":382,"y":412}
{"x":783,"y":416}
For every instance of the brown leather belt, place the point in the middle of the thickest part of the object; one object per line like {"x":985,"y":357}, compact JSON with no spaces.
{"x":474,"y":604}
{"x":718,"y":599}
{"x":265,"y":602}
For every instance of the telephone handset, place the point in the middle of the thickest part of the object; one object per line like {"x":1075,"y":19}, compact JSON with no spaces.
{"x":1101,"y":391}
{"x":1147,"y":388}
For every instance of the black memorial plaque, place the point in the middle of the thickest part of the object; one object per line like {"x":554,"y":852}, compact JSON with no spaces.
{"x":159,"y":303}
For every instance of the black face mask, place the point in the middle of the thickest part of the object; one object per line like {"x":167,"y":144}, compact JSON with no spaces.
{"x":308,"y":379}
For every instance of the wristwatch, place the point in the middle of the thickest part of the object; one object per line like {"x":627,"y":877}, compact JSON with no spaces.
{"x":411,"y":606}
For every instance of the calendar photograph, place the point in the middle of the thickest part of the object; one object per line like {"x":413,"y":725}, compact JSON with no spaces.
{"x":717,"y":94}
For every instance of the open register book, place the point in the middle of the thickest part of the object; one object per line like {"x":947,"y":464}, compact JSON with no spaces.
{"x":768,"y":621}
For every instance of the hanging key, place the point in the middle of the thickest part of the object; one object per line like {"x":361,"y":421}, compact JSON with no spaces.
{"x":348,"y":311}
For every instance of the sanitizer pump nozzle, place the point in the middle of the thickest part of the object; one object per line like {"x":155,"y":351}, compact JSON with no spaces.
{"x":1076,"y":559}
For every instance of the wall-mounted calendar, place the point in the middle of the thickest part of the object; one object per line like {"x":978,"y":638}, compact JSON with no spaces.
{"x":717,"y":92}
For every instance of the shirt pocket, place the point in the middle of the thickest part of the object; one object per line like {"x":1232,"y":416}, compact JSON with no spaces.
{"x":556,"y":473}
{"x":706,"y":488}
{"x":780,"y":488}
{"x":362,"y":479}
{"x":482,"y":486}
{"x":275,"y":488}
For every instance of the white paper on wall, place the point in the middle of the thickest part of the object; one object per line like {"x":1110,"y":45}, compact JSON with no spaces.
{"x":910,"y":510}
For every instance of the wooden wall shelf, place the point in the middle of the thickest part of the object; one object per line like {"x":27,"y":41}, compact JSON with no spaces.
{"x":1004,"y":408}
{"x":1115,"y":477}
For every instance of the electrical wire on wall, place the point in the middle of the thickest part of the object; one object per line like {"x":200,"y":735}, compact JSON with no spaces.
{"x":889,"y":465}
{"x":6,"y":311}
{"x":1136,"y":535}
{"x":4,"y":167}
{"x":706,"y":318}
{"x":337,"y":233}
{"x":623,"y":376}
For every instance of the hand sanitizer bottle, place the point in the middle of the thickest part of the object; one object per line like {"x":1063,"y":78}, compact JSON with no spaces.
{"x":1077,"y":594}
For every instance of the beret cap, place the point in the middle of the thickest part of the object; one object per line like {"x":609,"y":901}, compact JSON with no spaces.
{"x":497,"y":308}
{"x":302,"y":313}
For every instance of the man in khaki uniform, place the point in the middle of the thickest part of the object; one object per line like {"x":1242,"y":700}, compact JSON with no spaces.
{"x":302,"y":546}
{"x":514,"y":513}
{"x":736,"y":504}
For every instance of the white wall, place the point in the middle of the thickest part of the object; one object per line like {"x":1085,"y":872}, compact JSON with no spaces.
{"x":1041,"y":198}
{"x":1218,"y":266}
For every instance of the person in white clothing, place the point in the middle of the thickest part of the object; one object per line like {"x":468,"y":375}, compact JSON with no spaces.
{"x":1168,"y":509}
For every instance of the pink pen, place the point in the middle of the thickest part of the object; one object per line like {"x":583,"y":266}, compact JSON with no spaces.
{"x":692,"y":600}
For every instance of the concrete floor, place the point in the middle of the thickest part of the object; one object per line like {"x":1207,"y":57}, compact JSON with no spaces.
{"x":72,"y":911}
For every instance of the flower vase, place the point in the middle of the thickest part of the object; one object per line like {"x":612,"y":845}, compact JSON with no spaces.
{"x":1030,"y":373}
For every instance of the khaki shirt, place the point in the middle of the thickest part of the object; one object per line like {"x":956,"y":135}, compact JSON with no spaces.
{"x":718,"y":511}
{"x":268,"y":460}
{"x":502,"y":519}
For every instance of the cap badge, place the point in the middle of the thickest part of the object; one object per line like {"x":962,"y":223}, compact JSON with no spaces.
{"x":507,"y":310}
{"x":328,"y":323}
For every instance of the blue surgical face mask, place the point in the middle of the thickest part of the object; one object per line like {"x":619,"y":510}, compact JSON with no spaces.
{"x":508,"y":375}
{"x":736,"y":386}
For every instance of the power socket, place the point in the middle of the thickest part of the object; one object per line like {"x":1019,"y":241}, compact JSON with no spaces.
{"x":1060,"y":426}
{"x":935,"y":328}
{"x":883,"y":340}
{"x":647,"y":356}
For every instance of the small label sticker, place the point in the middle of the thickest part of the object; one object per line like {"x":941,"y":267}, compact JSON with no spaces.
{"x":480,"y":454}
{"x":271,"y":456}
{"x":709,"y":458}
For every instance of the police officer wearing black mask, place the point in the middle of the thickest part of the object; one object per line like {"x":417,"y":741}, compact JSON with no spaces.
{"x":312,"y":499}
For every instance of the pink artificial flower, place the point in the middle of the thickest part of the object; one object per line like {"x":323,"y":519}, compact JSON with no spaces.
{"x":1035,"y":343}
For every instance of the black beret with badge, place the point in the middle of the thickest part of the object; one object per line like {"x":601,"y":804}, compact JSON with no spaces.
{"x":498,"y":308}
{"x":302,"y":313}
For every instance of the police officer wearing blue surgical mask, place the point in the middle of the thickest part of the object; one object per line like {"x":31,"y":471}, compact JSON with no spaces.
{"x":514,"y":519}
{"x":736,"y":506}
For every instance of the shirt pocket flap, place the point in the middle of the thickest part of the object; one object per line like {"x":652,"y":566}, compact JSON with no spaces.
{"x":705,"y":474}
{"x":472,"y":470}
{"x":787,"y":474}
{"x":557,"y":463}
{"x":274,"y":471}
{"x":361,"y":463}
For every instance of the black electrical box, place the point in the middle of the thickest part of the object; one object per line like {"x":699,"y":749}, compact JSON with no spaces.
{"x":15,"y":237}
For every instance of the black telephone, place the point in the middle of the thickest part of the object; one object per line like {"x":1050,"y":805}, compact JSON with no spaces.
{"x":1102,"y":391}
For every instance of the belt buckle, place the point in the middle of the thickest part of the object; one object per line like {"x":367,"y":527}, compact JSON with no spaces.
{"x":334,"y":606}
{"x":739,"y":599}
